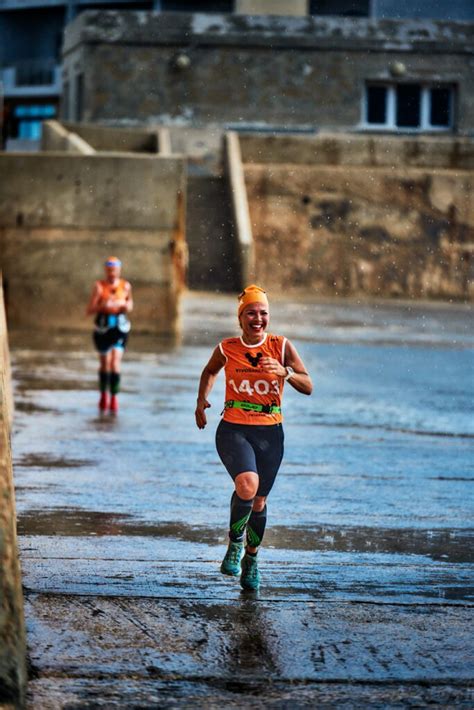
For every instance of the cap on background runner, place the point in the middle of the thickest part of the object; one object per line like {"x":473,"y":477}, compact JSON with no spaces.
{"x":252,"y":294}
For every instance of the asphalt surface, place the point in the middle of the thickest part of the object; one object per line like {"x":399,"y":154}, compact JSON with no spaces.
{"x":367,"y":593}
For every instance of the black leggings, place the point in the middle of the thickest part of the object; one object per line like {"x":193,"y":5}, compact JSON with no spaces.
{"x":251,"y":447}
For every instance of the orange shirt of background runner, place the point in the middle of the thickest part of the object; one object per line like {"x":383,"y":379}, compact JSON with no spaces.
{"x":247,"y":382}
{"x":108,"y":290}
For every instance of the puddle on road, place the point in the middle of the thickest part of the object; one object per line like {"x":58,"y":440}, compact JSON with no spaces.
{"x":30,"y":408}
{"x":28,"y":384}
{"x":45,"y":461}
{"x":440,"y":545}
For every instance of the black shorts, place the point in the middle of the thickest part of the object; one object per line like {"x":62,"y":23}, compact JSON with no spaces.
{"x":249,"y":447}
{"x":112,"y":339}
{"x":111,"y":332}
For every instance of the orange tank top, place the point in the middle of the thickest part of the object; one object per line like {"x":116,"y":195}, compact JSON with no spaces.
{"x":108,"y":290}
{"x":247,"y":382}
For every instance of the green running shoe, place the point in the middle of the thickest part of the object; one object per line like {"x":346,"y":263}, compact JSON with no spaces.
{"x":250,"y":577}
{"x":231,"y":562}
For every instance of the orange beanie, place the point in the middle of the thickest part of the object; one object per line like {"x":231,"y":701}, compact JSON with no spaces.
{"x":252,"y":294}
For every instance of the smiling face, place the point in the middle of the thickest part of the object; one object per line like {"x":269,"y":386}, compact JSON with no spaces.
{"x":254,"y":320}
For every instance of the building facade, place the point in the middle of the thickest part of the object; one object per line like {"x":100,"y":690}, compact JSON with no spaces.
{"x":31,"y":38}
{"x":270,"y":73}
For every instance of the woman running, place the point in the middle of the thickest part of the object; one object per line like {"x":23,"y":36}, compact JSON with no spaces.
{"x":111,"y":301}
{"x":249,"y":438}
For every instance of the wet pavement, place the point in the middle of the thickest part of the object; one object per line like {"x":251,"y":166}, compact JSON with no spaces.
{"x":367,"y":593}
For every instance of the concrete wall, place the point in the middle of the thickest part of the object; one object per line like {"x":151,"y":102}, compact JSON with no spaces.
{"x":352,"y":149}
{"x":56,"y":137}
{"x":13,"y":673}
{"x":112,"y":139}
{"x":275,"y":7}
{"x":88,"y":139}
{"x":62,"y":214}
{"x":263,"y":71}
{"x":345,"y":230}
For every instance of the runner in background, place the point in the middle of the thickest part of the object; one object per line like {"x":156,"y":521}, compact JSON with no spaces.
{"x":249,"y":438}
{"x":111,"y":302}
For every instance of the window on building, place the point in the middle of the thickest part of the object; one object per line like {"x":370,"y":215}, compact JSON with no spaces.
{"x":377,"y":104}
{"x":409,"y":107}
{"x":38,"y":72}
{"x":203,"y":6}
{"x":66,"y":99}
{"x":28,"y":120}
{"x":79,"y":97}
{"x":346,"y":8}
{"x":440,"y":108}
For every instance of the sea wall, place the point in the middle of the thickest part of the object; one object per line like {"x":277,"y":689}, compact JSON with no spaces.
{"x":363,"y":230}
{"x":13,"y":673}
{"x":61,"y":214}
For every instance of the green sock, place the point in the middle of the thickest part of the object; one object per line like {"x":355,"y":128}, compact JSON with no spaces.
{"x":114,"y":382}
{"x":103,"y":380}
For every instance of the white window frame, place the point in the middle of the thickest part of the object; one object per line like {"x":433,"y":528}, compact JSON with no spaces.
{"x":391,"y":109}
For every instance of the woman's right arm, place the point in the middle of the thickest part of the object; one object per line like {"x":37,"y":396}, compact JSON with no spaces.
{"x":206,"y":383}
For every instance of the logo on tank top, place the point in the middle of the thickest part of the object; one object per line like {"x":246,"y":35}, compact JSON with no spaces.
{"x":253,"y":360}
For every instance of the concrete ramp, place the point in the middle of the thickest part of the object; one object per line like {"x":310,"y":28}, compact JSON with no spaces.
{"x":214,"y":261}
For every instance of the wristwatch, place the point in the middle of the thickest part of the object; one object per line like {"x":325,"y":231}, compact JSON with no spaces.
{"x":289,"y":372}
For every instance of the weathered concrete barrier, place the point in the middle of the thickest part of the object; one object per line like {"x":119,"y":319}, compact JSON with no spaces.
{"x":61,"y":214}
{"x":326,"y":148}
{"x":113,"y":139}
{"x":90,"y":138}
{"x":56,"y":137}
{"x":349,"y":215}
{"x":13,"y":673}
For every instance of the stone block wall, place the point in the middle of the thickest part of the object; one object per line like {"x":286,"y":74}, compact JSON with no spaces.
{"x":348,"y":230}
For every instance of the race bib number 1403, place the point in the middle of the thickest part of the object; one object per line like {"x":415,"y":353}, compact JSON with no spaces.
{"x":259,"y":387}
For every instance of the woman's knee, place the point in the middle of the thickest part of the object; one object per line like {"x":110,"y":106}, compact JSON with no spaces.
{"x":259,"y":503}
{"x":246,"y":485}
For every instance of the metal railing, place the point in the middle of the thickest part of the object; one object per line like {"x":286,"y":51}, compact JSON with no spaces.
{"x":36,"y":72}
{"x":33,"y":77}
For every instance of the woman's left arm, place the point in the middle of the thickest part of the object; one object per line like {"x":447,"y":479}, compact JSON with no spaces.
{"x":299,"y":379}
{"x":128,"y":299}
